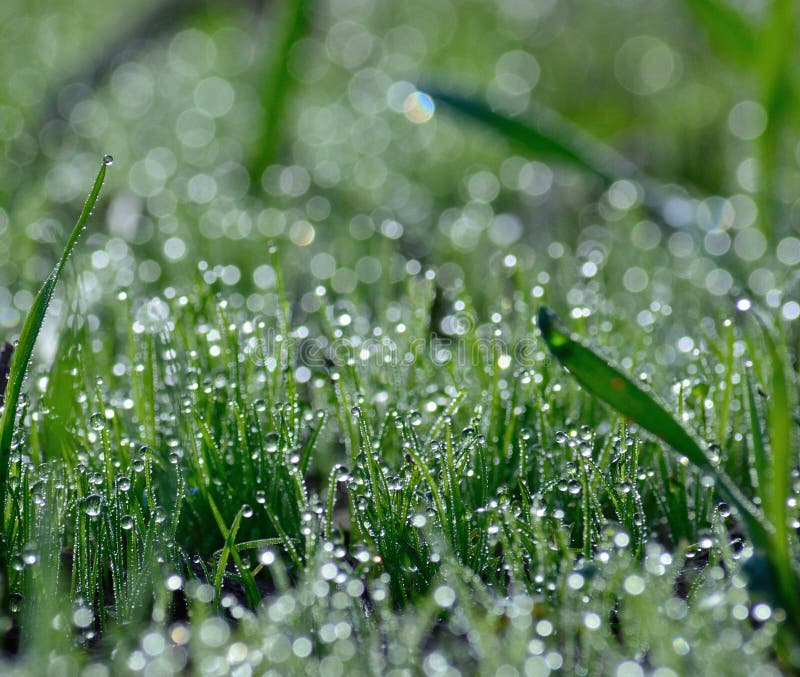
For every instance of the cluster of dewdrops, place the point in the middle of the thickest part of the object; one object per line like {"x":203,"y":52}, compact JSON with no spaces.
{"x":187,"y":187}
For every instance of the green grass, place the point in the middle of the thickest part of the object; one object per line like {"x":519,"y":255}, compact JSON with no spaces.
{"x":298,"y":403}
{"x":488,"y":500}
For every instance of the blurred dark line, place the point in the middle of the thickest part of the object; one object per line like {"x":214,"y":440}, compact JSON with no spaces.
{"x":161,"y":20}
{"x":134,"y":37}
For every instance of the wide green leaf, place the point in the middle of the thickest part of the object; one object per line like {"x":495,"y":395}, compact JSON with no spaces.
{"x":612,"y":386}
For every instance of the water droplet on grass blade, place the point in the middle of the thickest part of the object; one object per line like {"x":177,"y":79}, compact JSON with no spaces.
{"x":82,"y":617}
{"x":271,"y":442}
{"x":92,"y":505}
{"x":98,"y":421}
{"x":108,"y":160}
{"x":15,"y":602}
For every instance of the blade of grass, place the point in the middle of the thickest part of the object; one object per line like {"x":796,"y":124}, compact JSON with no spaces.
{"x":549,"y":135}
{"x":775,"y":47}
{"x":305,"y":454}
{"x":30,"y":332}
{"x":553,"y":136}
{"x":727,"y":31}
{"x":290,"y":26}
{"x":284,"y":538}
{"x":230,"y":550}
{"x":776,"y":490}
{"x":258,"y":543}
{"x":618,"y":391}
{"x":760,"y":459}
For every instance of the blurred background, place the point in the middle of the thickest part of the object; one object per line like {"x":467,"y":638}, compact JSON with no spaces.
{"x":236,"y":124}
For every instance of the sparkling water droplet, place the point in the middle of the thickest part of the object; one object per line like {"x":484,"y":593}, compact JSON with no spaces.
{"x":271,"y":442}
{"x":92,"y":505}
{"x":247,"y":511}
{"x":98,"y":421}
{"x":108,"y":160}
{"x":82,"y":617}
{"x":126,"y":522}
{"x":15,"y":602}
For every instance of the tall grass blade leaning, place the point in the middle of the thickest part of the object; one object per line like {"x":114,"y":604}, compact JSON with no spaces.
{"x":550,"y":135}
{"x":30,"y":331}
{"x":726,"y":29}
{"x":618,"y":391}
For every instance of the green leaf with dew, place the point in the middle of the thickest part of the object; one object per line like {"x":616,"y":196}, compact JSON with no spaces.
{"x":613,"y":387}
{"x":30,"y":332}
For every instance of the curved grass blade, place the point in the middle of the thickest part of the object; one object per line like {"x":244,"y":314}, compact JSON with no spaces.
{"x":305,"y":455}
{"x":553,"y":136}
{"x":727,"y":30}
{"x":618,"y":391}
{"x":775,"y":472}
{"x":550,"y":135}
{"x":229,"y":550}
{"x":30,"y":332}
{"x":760,"y":458}
{"x":779,"y":430}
